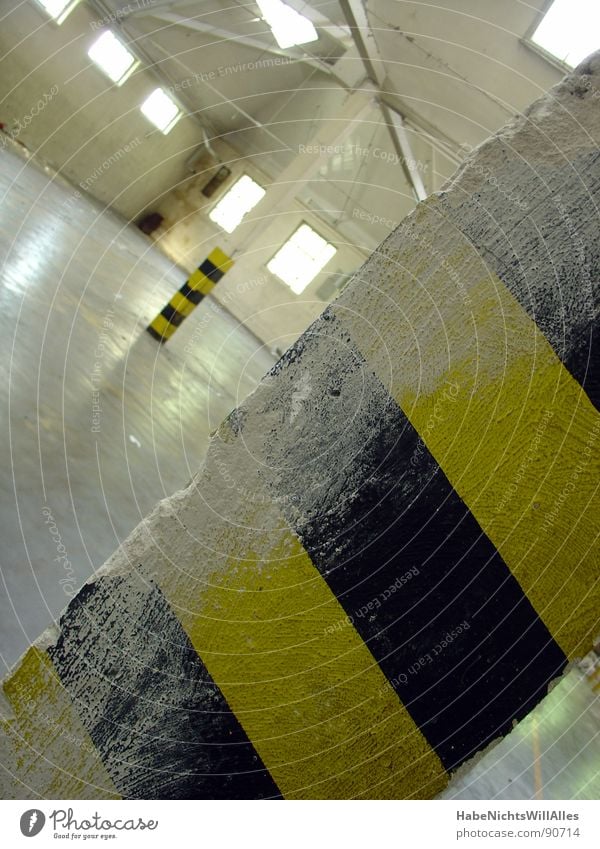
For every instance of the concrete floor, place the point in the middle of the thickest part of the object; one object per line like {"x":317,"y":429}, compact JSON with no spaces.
{"x":77,"y":289}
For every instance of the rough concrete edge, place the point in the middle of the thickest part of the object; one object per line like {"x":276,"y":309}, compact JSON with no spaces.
{"x":582,"y":666}
{"x":472,"y":762}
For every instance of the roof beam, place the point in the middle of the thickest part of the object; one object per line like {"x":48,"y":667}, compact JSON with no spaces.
{"x":143,"y":11}
{"x":235,"y":38}
{"x":355,"y":14}
{"x":445,"y":145}
{"x":321,"y":21}
{"x":401,"y":142}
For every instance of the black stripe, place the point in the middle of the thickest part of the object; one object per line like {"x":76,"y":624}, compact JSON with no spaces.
{"x":547,"y":253}
{"x":161,"y":725}
{"x":155,"y":334}
{"x":172,"y":315}
{"x":211,"y":271}
{"x":192,"y":295}
{"x":402,"y":553}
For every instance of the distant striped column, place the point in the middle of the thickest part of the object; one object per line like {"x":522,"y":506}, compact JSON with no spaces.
{"x":201,"y":283}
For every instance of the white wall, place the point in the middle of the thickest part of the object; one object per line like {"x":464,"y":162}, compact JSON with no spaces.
{"x":88,"y":120}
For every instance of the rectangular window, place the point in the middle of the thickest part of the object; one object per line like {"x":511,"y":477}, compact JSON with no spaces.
{"x":288,"y":26}
{"x":161,"y":111}
{"x":112,"y":57}
{"x":569,"y":30}
{"x":301,"y":258}
{"x":58,"y":9}
{"x":240,"y":199}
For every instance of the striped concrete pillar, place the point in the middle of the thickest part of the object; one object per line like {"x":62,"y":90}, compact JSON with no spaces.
{"x":197,"y":286}
{"x":389,"y":552}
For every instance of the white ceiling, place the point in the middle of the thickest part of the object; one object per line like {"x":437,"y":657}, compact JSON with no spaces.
{"x":457,"y":70}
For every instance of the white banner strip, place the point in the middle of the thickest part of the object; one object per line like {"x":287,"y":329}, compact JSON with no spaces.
{"x":305,"y":825}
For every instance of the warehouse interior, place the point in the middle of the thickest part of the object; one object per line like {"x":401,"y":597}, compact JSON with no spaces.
{"x":137,"y":138}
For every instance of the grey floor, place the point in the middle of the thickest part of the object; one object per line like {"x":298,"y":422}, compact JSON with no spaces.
{"x":77,"y":288}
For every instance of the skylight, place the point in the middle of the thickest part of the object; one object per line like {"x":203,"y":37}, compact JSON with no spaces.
{"x":288,"y":26}
{"x":301,"y":258}
{"x":240,"y":199}
{"x":160,"y":110}
{"x":570,"y":30}
{"x":58,"y":9}
{"x":112,"y":57}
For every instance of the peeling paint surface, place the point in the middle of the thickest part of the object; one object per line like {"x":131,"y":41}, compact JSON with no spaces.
{"x":159,"y":723}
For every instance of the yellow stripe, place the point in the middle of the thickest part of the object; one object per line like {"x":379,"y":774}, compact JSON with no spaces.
{"x":220,"y":260}
{"x":200,"y":283}
{"x":180,"y":303}
{"x":513,"y":431}
{"x":162,"y":326}
{"x":304,"y":686}
{"x":50,"y":749}
{"x":522,"y":506}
